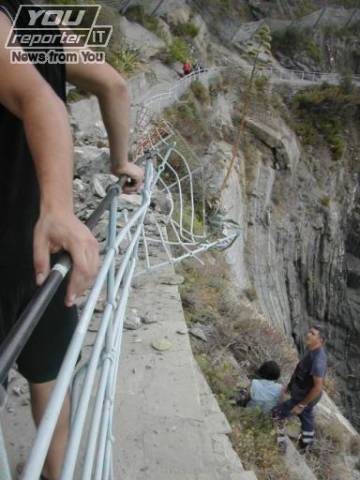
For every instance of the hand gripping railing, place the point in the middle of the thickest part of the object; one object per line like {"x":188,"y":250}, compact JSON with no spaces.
{"x":21,"y":331}
{"x":105,"y":353}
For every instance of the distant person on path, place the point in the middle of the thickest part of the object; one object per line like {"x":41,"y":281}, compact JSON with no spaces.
{"x":264,"y":392}
{"x":187,"y":68}
{"x":305,"y":388}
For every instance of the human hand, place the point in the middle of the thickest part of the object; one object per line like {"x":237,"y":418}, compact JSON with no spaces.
{"x":55,"y":231}
{"x":133,"y":172}
{"x":298,"y":409}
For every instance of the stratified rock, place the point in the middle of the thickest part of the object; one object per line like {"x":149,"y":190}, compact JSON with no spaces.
{"x":147,"y":43}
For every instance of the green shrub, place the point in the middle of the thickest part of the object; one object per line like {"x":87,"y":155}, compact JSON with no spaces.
{"x":290,"y":40}
{"x":224,"y":5}
{"x":178,"y":51}
{"x":188,"y":29}
{"x":294,"y":40}
{"x":305,"y":7}
{"x":137,"y":14}
{"x":261,"y":82}
{"x":200,"y":91}
{"x":324,"y":111}
{"x":125,"y":59}
{"x":313,"y":51}
{"x":325,"y":201}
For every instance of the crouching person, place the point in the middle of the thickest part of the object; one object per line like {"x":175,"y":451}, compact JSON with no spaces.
{"x":305,"y":390}
{"x":264,"y":391}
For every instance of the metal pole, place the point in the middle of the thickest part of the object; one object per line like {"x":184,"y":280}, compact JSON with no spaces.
{"x":352,"y":16}
{"x":5,"y":473}
{"x":319,"y":18}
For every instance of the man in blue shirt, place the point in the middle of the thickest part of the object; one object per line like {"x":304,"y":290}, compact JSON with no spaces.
{"x":305,"y":388}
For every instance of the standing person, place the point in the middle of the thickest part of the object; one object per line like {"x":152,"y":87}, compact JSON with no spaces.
{"x":36,"y":207}
{"x":305,"y":388}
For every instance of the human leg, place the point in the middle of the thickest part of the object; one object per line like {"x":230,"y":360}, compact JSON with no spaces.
{"x":40,"y":394}
{"x":279,"y":414}
{"x":307,"y":420}
{"x":40,"y":362}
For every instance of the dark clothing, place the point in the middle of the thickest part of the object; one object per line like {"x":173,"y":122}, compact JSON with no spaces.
{"x":41,"y":358}
{"x":283,"y":411}
{"x":313,"y":364}
{"x":19,"y":189}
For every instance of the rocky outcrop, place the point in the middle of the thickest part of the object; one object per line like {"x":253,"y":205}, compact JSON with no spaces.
{"x":298,"y":251}
{"x":147,"y":43}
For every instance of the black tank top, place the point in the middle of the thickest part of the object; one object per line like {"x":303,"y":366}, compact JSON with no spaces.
{"x":19,"y":189}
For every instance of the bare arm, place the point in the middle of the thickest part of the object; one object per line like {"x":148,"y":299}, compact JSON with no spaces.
{"x":25,"y":93}
{"x":110,"y":88}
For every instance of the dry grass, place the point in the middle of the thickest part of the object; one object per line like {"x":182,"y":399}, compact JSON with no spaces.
{"x":239,"y":340}
{"x":326,"y":456}
{"x":234,"y":331}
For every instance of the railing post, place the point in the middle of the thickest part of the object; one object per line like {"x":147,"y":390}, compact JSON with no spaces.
{"x":5,"y":473}
{"x":109,"y":337}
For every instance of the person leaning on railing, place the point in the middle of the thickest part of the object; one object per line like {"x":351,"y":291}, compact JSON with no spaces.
{"x":36,"y":206}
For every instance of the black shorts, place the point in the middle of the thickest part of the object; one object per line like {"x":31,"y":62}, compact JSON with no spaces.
{"x":42,"y":356}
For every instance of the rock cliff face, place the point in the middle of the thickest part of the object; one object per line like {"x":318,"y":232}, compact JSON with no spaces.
{"x":298,"y":208}
{"x":299,"y":249}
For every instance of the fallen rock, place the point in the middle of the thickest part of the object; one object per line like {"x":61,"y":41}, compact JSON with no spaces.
{"x":198,"y":333}
{"x":182,"y":331}
{"x":98,"y":189}
{"x":131,"y":199}
{"x":161,"y":345}
{"x":133,"y":321}
{"x":147,"y":320}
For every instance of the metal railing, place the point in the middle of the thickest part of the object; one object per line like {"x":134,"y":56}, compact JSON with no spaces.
{"x":162,"y":96}
{"x":91,"y":435}
{"x":104,"y":355}
{"x":296,"y":76}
